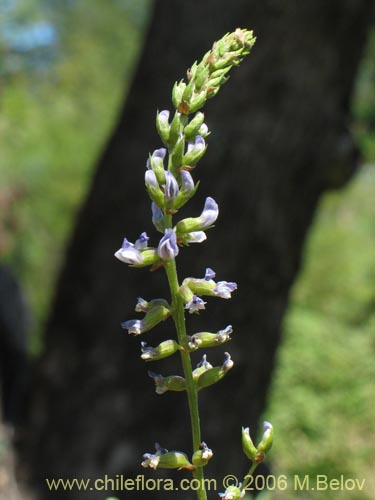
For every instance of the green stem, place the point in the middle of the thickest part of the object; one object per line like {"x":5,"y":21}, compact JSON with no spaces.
{"x":178,"y":314}
{"x":248,"y":475}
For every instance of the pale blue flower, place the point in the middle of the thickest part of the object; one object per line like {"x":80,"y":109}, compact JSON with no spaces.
{"x":128,"y":253}
{"x":224,"y":289}
{"x":171,"y":187}
{"x":195,"y":305}
{"x":135,"y":326}
{"x":195,"y":237}
{"x":187,"y":182}
{"x":168,"y":248}
{"x":210,"y":213}
{"x":142,"y":242}
{"x":210,"y":274}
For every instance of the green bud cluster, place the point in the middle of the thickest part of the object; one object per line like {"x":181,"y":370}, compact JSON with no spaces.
{"x":206,"y":78}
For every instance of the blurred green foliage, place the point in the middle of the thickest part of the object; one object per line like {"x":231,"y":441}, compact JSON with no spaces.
{"x":54,"y":122}
{"x":322,"y":399}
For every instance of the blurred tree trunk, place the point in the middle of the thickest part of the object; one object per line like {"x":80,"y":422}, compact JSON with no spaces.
{"x":280,"y":138}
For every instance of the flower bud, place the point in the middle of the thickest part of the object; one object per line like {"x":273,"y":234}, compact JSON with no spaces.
{"x":248,"y":445}
{"x":177,"y":92}
{"x":206,"y":339}
{"x":171,"y":190}
{"x":204,"y":221}
{"x":195,"y":305}
{"x":193,"y":237}
{"x":168,"y":248}
{"x":144,"y":306}
{"x":175,"y":131}
{"x":164,"y":384}
{"x":191,"y":129}
{"x":202,"y":456}
{"x":187,"y":190}
{"x":162,"y":125}
{"x":163,"y":350}
{"x":176,"y":154}
{"x":267,"y":439}
{"x":215,"y":374}
{"x":156,"y":163}
{"x":153,"y":317}
{"x":153,"y":188}
{"x":195,"y":151}
{"x":198,"y":101}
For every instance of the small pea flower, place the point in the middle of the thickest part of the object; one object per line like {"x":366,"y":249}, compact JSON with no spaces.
{"x":142,"y":241}
{"x":195,"y":305}
{"x":138,"y":254}
{"x":194,"y":237}
{"x":153,"y":317}
{"x":168,"y":248}
{"x":162,"y":125}
{"x":153,"y":188}
{"x":163,"y":350}
{"x":224,"y":289}
{"x":206,"y":339}
{"x":209,"y":274}
{"x":164,"y":384}
{"x":128,"y":253}
{"x":204,"y":221}
{"x":152,"y":460}
{"x":195,"y":151}
{"x":171,"y":189}
{"x":202,"y":456}
{"x":164,"y":459}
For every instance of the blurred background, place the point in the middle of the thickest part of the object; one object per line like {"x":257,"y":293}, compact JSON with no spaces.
{"x":65,"y":67}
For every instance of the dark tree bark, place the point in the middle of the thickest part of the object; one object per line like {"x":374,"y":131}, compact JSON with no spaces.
{"x":280,"y":138}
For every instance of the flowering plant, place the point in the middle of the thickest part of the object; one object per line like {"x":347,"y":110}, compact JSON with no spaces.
{"x":170,"y":185}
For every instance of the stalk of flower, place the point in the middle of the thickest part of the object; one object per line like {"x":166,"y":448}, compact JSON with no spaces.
{"x":170,"y":185}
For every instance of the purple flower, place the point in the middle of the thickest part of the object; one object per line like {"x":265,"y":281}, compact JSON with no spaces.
{"x":210,"y":274}
{"x":171,"y":187}
{"x":209,"y":214}
{"x":135,"y":326}
{"x":197,"y":146}
{"x":157,"y":157}
{"x":129,"y":254}
{"x":187,"y":183}
{"x":195,"y":305}
{"x":224,"y":289}
{"x":164,"y":117}
{"x":142,"y":241}
{"x":168,"y":248}
{"x":142,"y":305}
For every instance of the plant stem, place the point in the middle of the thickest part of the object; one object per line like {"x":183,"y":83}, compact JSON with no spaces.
{"x":248,"y":475}
{"x":192,"y":394}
